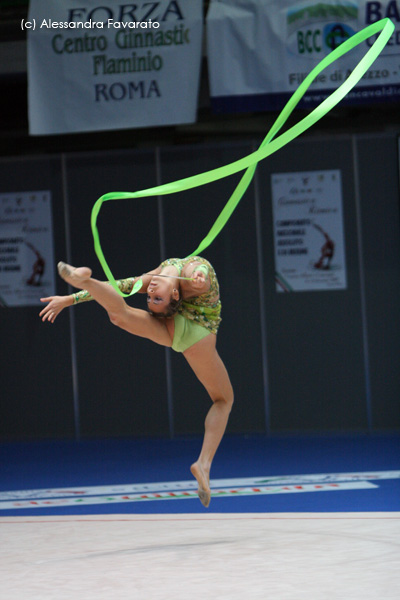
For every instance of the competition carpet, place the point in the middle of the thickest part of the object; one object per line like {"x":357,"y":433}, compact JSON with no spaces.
{"x":291,"y":518}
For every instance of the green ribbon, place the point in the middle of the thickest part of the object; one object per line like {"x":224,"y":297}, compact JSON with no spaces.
{"x":268,"y":146}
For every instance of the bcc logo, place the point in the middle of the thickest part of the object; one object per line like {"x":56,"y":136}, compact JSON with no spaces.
{"x":314,"y":41}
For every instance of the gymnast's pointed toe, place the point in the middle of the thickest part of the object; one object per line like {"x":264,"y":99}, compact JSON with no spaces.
{"x":75,"y":277}
{"x":64,"y":270}
{"x":204,"y":497}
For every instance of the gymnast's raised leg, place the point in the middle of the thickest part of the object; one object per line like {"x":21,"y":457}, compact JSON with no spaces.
{"x":133,"y":320}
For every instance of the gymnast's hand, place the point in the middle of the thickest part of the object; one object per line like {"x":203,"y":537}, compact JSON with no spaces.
{"x":199,"y":280}
{"x":55,"y":305}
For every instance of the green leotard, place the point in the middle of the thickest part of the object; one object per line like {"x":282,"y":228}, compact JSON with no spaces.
{"x":199,"y":316}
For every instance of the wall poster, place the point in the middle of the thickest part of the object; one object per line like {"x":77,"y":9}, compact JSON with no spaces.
{"x":308,"y":231}
{"x":26,"y":248}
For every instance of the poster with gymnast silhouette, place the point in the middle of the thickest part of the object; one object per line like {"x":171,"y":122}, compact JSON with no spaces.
{"x":309,"y":241}
{"x":26,"y":248}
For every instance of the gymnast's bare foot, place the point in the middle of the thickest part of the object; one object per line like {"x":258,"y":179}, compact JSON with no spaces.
{"x":75,"y":277}
{"x":203,"y":480}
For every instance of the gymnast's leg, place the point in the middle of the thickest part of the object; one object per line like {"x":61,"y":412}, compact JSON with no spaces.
{"x":136,"y":321}
{"x":81,"y":278}
{"x":210,"y":370}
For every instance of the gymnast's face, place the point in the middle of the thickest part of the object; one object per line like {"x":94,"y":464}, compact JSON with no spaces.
{"x":159,"y":294}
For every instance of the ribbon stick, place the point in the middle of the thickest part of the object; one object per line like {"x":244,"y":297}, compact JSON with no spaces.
{"x":172,"y":276}
{"x":384,"y":27}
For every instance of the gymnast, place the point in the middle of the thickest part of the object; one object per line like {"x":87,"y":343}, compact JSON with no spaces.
{"x":183,"y":313}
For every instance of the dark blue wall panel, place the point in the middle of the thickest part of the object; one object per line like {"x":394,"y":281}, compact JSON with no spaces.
{"x":332,"y":356}
{"x":35,"y":367}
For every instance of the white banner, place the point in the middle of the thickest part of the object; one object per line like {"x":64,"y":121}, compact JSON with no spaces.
{"x":181,"y":486}
{"x":308,"y":231}
{"x":26,"y":248}
{"x":259,"y":51}
{"x":189,"y":495}
{"x":108,"y":65}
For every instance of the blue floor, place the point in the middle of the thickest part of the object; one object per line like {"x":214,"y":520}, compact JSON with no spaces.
{"x":71,"y":466}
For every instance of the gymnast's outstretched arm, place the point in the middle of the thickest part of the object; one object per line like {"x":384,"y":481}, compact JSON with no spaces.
{"x":57,"y":303}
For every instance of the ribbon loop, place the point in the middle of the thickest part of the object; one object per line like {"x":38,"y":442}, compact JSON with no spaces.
{"x":267,"y":147}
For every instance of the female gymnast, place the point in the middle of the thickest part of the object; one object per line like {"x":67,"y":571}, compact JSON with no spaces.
{"x":184,"y":314}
